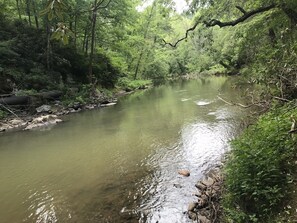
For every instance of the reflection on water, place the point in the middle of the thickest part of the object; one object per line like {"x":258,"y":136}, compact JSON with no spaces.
{"x":119,"y":164}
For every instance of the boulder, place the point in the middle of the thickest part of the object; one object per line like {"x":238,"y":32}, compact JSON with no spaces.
{"x":185,"y":173}
{"x":44,"y":109}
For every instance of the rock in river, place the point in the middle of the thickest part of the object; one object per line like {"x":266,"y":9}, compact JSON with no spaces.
{"x":192,"y":206}
{"x":185,"y":173}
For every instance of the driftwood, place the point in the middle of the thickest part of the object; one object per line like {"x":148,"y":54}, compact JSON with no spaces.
{"x":262,"y":104}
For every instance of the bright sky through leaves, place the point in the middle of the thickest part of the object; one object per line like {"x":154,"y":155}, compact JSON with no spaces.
{"x":181,"y":5}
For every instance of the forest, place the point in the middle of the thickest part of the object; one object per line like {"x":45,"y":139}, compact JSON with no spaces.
{"x":80,"y":47}
{"x":50,"y":44}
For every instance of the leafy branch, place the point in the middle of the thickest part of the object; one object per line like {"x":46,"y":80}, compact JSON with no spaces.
{"x":215,"y":22}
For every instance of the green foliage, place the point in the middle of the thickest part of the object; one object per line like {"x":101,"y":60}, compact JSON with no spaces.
{"x":258,"y":171}
{"x":81,"y":95}
{"x":157,"y":71}
{"x":3,"y":114}
{"x":131,"y":85}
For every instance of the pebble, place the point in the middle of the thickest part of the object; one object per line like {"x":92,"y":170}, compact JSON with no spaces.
{"x":185,"y":173}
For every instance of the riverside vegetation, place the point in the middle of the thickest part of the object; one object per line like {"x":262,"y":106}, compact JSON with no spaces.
{"x":88,"y":48}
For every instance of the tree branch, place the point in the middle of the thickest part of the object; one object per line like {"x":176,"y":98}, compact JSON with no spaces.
{"x":215,"y":22}
{"x":102,"y":7}
{"x":186,"y":36}
{"x":245,"y":16}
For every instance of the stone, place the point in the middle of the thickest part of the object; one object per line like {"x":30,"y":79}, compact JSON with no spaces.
{"x":208,"y":182}
{"x":185,"y":173}
{"x":198,"y":194}
{"x":201,"y":203}
{"x":203,"y":219}
{"x":89,"y":107}
{"x":192,"y":215}
{"x":192,"y":206}
{"x":200,"y":186}
{"x":76,"y":105}
{"x":43,"y":108}
{"x":16,"y":121}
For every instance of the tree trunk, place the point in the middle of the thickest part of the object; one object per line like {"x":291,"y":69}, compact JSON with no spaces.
{"x":28,"y":11}
{"x":75,"y":29}
{"x":87,"y":46}
{"x":138,"y":64}
{"x":94,"y":19}
{"x":48,"y":45}
{"x":144,"y":37}
{"x":35,"y":14}
{"x":18,"y":8}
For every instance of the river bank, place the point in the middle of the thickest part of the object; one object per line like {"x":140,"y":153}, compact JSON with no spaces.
{"x":52,"y":113}
{"x":260,"y":170}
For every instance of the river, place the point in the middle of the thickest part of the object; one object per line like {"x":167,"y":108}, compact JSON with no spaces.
{"x":119,"y":164}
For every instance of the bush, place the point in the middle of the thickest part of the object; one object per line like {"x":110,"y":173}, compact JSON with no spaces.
{"x":131,"y":85}
{"x":258,"y":171}
{"x":157,"y":71}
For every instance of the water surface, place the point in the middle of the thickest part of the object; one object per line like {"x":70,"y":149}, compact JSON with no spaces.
{"x":119,"y":164}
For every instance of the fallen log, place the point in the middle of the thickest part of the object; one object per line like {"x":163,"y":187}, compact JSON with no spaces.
{"x":15,"y":100}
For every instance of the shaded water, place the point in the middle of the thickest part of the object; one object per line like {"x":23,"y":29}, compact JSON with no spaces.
{"x":119,"y":164}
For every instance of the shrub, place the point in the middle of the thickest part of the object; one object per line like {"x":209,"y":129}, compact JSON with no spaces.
{"x":258,"y":171}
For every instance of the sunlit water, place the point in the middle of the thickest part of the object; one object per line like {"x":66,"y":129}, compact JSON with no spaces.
{"x":119,"y":164}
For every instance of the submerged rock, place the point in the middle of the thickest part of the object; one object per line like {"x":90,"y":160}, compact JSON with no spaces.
{"x":185,"y":173}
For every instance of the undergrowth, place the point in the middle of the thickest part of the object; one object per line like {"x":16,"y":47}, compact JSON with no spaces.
{"x":260,"y":167}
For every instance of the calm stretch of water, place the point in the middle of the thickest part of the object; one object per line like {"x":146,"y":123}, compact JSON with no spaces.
{"x":119,"y":164}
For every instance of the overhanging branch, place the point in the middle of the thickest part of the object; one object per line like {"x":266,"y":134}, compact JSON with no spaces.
{"x":244,"y":17}
{"x":186,"y":36}
{"x":215,"y":22}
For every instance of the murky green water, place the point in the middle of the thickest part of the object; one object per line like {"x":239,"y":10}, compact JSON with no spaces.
{"x":119,"y":164}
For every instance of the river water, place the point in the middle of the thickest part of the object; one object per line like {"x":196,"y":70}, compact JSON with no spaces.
{"x":119,"y":164}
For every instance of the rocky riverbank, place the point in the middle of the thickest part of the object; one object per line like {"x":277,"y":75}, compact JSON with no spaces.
{"x":50,"y":114}
{"x":206,"y":207}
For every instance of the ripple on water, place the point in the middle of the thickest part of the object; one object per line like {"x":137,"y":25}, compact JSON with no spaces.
{"x":44,"y":206}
